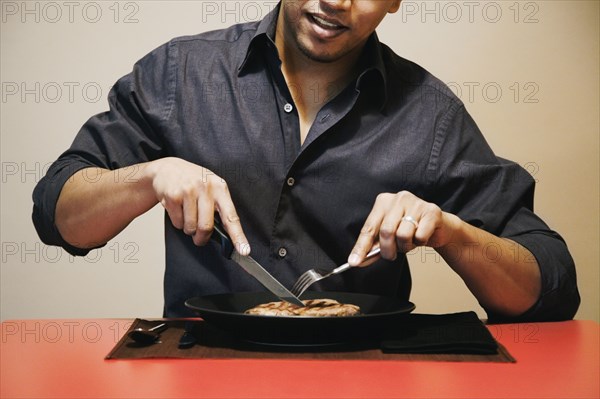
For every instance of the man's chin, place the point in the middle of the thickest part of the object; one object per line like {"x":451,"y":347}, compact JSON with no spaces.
{"x":321,"y":56}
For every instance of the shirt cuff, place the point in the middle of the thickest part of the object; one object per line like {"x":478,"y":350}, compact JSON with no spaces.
{"x":45,"y":198}
{"x":559,"y":298}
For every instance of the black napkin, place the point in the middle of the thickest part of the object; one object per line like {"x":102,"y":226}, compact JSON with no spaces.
{"x":460,"y":333}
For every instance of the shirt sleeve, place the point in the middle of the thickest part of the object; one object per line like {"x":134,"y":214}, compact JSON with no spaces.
{"x":497,"y":195}
{"x":126,"y":135}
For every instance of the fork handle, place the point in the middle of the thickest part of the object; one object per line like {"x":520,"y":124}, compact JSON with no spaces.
{"x":373,"y":253}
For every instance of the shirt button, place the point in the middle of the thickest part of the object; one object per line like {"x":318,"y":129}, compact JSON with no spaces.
{"x":288,"y":108}
{"x":282,"y":252}
{"x":291,"y":181}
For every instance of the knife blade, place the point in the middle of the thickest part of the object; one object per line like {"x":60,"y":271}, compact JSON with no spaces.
{"x":253,"y":267}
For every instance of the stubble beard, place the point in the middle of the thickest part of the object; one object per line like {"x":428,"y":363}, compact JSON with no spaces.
{"x":324,"y":58}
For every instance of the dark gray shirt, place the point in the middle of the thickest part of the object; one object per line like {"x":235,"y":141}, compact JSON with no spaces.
{"x":219,"y":100}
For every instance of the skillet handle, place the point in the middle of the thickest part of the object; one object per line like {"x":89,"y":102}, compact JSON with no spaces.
{"x":220,"y":235}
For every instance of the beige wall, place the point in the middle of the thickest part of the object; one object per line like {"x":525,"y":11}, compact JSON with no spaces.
{"x":527,"y":71}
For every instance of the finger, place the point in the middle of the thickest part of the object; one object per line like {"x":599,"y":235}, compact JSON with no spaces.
{"x":371,"y":260}
{"x":387,"y":234}
{"x":367,"y":238}
{"x":405,"y":247}
{"x":405,"y":234}
{"x":427,"y":226}
{"x":175,"y":212}
{"x":190,"y":213}
{"x":231,"y":222}
{"x":206,"y":220}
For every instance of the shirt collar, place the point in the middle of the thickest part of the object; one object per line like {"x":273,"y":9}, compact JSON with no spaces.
{"x":372,"y":77}
{"x":264,"y":36}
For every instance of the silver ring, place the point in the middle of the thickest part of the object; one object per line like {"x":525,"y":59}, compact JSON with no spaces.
{"x":412,"y":220}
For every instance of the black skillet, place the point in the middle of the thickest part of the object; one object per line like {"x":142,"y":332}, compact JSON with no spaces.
{"x":226,"y":312}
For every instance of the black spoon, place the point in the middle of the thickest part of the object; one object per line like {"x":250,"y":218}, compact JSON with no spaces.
{"x":147,"y":336}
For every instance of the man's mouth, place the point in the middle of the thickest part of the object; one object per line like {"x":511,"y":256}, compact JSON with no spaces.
{"x":326,"y":23}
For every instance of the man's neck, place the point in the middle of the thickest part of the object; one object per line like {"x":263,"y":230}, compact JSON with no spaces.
{"x":312,"y":83}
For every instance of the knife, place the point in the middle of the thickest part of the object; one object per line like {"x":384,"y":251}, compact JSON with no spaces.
{"x":252,"y":266}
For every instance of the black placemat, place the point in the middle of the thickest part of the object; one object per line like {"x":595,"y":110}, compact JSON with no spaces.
{"x":460,"y":333}
{"x":415,"y":337}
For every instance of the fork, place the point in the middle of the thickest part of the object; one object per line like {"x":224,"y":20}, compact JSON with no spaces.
{"x":311,"y":276}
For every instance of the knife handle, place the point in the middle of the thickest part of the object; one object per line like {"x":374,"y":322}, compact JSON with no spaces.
{"x":220,"y":235}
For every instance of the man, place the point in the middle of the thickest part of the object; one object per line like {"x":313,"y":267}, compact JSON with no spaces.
{"x":313,"y":142}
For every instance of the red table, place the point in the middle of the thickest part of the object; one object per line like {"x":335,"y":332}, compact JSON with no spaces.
{"x":65,"y":359}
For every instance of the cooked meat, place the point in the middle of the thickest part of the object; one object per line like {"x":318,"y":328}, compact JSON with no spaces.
{"x":312,"y":307}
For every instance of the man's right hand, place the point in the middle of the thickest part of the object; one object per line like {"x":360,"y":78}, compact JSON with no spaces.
{"x":96,"y":204}
{"x":191,"y":194}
